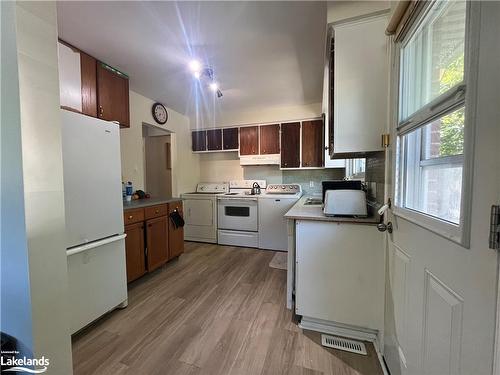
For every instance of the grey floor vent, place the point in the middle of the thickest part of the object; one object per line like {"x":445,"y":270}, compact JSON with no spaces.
{"x":343,"y":344}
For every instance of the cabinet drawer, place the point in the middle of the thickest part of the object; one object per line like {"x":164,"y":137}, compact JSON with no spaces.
{"x":133,"y":216}
{"x":156,"y":211}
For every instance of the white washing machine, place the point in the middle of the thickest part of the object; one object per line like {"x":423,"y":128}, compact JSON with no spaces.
{"x":200,"y":212}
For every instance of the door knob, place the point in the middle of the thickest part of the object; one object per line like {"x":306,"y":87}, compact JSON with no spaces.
{"x":385,"y":227}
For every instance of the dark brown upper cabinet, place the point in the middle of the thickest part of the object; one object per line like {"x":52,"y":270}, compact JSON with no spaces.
{"x":88,"y":67}
{"x":249,"y":140}
{"x":230,"y":139}
{"x":270,"y":139}
{"x":214,"y":139}
{"x":199,"y":140}
{"x":312,"y":143}
{"x":290,"y":145}
{"x":112,"y":95}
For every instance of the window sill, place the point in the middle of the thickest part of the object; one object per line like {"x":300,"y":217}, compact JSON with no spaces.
{"x":452,"y":232}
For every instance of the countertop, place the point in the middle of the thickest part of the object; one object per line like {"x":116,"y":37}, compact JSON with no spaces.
{"x":315,"y":212}
{"x":140,"y":203}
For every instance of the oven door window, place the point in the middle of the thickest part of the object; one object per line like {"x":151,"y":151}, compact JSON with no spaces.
{"x":239,"y":211}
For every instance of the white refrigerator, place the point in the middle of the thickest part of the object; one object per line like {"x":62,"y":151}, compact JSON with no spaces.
{"x":95,"y":238}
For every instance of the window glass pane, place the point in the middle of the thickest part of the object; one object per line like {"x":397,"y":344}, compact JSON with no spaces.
{"x":433,"y":164}
{"x":432,"y":61}
{"x":444,"y":136}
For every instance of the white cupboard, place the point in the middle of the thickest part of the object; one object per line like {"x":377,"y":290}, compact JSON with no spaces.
{"x":360,"y":89}
{"x":339,"y":274}
{"x":70,"y":77}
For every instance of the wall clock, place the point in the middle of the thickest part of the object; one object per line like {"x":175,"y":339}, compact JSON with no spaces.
{"x":160,"y":113}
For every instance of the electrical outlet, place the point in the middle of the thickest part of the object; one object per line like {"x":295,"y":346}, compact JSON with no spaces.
{"x":311,"y":184}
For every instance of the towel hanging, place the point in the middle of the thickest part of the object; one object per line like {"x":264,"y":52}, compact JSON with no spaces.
{"x":176,"y":219}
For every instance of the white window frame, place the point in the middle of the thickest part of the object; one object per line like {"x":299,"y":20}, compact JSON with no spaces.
{"x":460,"y":95}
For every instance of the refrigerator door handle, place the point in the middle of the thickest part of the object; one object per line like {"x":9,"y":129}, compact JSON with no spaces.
{"x":88,"y":246}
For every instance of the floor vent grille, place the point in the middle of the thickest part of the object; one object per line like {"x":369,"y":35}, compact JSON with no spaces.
{"x":343,"y":344}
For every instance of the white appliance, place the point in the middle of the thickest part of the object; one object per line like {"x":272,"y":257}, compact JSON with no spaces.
{"x":268,"y":159}
{"x":94,"y":217}
{"x":200,"y":212}
{"x":238,"y":214}
{"x":273,"y":205}
{"x":345,"y":202}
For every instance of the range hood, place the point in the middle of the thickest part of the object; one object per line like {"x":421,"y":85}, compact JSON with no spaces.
{"x":271,"y":159}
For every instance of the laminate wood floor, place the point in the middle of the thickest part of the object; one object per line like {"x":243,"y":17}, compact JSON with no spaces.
{"x":215,"y":310}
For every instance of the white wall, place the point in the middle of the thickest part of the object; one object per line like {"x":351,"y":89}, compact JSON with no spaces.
{"x":259,"y":116}
{"x":340,"y":10}
{"x":15,"y":301}
{"x":185,"y":164}
{"x":36,"y":24}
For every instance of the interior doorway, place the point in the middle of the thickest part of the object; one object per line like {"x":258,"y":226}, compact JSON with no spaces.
{"x":157,"y":162}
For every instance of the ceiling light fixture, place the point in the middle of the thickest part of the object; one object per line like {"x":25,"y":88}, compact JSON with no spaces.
{"x":214,"y":86}
{"x":195,"y":66}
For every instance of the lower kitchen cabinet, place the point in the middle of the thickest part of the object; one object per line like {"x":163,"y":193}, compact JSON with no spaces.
{"x":134,"y":251}
{"x":152,"y":239}
{"x":156,"y":242}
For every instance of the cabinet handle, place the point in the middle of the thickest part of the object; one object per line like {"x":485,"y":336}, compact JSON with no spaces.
{"x":130,"y":217}
{"x":157,"y":211}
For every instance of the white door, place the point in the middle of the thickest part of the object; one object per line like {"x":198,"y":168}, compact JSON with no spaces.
{"x":442,"y":285}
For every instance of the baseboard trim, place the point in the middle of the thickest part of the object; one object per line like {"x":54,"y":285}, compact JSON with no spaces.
{"x":345,"y":330}
{"x":338,"y":329}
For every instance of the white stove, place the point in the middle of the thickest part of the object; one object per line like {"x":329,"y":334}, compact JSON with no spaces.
{"x":200,"y":211}
{"x":243,"y":188}
{"x":238,"y":217}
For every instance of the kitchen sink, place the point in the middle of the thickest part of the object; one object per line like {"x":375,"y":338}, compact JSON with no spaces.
{"x":313,"y":202}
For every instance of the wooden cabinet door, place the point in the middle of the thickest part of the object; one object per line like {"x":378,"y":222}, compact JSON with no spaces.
{"x":230,"y":139}
{"x":134,"y":251}
{"x":199,"y":140}
{"x":290,"y":145}
{"x":270,"y":139}
{"x":157,"y":242}
{"x":89,"y":84}
{"x":312,"y":143}
{"x":214,"y":139}
{"x":249,"y":140}
{"x":175,"y":235}
{"x":112,"y":96}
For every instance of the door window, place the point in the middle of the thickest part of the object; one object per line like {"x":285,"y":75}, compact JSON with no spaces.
{"x":432,"y":119}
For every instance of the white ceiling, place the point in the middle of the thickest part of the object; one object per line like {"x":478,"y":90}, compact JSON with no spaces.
{"x":263,"y":53}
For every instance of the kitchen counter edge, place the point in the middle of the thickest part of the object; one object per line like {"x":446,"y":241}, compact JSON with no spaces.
{"x":141,"y":203}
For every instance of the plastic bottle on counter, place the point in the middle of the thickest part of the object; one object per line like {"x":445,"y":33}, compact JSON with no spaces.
{"x":129,"y":189}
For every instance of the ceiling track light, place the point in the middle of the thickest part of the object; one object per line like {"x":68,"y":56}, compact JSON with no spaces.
{"x":205,"y":74}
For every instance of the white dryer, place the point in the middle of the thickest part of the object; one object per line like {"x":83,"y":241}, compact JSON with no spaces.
{"x":200,"y":212}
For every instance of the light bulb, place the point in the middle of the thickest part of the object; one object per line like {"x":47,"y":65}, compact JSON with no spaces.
{"x":214,"y":86}
{"x":195,"y":66}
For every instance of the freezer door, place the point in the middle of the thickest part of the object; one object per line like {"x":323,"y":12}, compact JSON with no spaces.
{"x":97,"y":280}
{"x":92,"y":178}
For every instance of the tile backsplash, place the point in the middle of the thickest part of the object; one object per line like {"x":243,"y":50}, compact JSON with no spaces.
{"x":306,"y":176}
{"x":375,"y":176}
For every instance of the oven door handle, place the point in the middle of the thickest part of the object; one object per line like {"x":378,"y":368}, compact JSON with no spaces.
{"x":238,"y":199}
